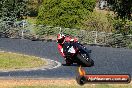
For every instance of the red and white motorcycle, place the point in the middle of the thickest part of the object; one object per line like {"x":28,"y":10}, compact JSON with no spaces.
{"x":77,"y":53}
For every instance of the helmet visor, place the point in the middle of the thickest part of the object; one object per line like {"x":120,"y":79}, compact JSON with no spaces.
{"x":61,"y":40}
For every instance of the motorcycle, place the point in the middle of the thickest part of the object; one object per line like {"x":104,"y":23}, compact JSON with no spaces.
{"x":77,"y":53}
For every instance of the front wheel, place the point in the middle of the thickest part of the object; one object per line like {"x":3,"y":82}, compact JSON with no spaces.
{"x":69,"y":62}
{"x":84,"y":61}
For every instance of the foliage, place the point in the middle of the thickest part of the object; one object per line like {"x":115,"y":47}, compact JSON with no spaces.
{"x":130,"y":45}
{"x":123,"y":27}
{"x":10,"y":12}
{"x":97,"y":21}
{"x":64,"y":13}
{"x":123,"y":8}
{"x":43,"y":30}
{"x":48,"y":30}
{"x":12,"y":9}
{"x":33,"y":6}
{"x":123,"y":11}
{"x":119,"y":40}
{"x":31,"y":20}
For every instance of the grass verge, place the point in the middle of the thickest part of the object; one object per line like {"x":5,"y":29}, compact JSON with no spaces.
{"x":55,"y":83}
{"x":11,"y":61}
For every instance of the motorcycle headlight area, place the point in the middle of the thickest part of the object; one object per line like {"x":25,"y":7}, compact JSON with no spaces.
{"x":71,"y":50}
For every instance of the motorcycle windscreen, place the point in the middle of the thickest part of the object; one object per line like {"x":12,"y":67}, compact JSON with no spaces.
{"x":71,"y":50}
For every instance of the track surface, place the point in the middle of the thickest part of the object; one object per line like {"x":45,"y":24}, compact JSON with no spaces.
{"x":107,"y":60}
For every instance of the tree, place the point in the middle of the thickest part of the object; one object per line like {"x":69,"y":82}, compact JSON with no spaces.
{"x":123,"y":8}
{"x":97,"y":21}
{"x":12,"y":9}
{"x":33,"y":6}
{"x":65,"y":13}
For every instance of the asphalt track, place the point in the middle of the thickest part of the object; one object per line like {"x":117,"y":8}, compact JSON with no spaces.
{"x":107,"y":60}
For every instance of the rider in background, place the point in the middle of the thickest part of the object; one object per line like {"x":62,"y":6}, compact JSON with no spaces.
{"x":61,"y":39}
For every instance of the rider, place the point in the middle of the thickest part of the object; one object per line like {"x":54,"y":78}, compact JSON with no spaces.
{"x":61,"y":39}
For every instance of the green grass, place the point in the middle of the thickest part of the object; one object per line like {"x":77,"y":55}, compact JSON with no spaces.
{"x":18,"y":61}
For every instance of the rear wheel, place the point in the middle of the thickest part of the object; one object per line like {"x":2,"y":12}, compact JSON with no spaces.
{"x":84,"y":61}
